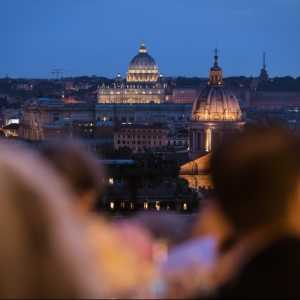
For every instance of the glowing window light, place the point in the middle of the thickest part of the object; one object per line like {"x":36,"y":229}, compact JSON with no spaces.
{"x":111,"y":180}
{"x":145,"y":205}
{"x":157,"y":205}
{"x":112,"y":205}
{"x":185,"y":207}
{"x":131,"y":205}
{"x":208,"y":140}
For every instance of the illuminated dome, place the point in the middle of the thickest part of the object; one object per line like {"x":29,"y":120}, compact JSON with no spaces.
{"x":142,"y":67}
{"x":215,"y":103}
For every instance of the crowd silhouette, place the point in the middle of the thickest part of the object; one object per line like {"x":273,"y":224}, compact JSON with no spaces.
{"x":244,"y":243}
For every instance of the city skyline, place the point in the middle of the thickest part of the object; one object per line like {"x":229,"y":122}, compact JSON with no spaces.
{"x":100,"y":37}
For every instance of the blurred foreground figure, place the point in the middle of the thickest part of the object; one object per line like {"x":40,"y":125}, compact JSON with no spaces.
{"x":78,"y":168}
{"x":191,"y":265}
{"x":169,"y":231}
{"x":123,"y":251}
{"x":257,"y":181}
{"x":41,"y":249}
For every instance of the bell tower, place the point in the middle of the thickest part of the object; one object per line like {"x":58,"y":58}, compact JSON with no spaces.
{"x":216,"y":73}
{"x":264,"y":76}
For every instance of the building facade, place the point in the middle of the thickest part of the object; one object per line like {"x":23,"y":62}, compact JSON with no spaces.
{"x":45,"y":118}
{"x":184,"y":95}
{"x":268,"y":100}
{"x":176,"y":115}
{"x":216,"y":113}
{"x":140,"y":138}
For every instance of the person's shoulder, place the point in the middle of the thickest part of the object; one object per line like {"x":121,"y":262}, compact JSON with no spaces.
{"x":282,"y":253}
{"x":279,"y":261}
{"x":272,"y":273}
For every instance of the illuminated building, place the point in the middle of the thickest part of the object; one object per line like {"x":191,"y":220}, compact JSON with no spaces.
{"x":175,"y":115}
{"x":216,"y":113}
{"x":196,"y":173}
{"x":143,"y":83}
{"x":43,"y":118}
{"x":11,"y":130}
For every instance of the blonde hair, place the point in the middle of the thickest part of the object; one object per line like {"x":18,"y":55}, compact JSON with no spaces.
{"x":41,"y":248}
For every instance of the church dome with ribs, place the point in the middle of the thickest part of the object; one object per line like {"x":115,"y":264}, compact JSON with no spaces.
{"x":215,"y":102}
{"x":142,"y":67}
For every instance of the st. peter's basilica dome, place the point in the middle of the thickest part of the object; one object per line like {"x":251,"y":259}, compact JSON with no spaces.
{"x":142,"y":67}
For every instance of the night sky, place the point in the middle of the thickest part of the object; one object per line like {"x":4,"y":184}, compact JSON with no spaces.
{"x":86,"y":37}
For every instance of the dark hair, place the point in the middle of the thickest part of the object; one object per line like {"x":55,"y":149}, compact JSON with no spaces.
{"x":75,"y":164}
{"x":254,"y":174}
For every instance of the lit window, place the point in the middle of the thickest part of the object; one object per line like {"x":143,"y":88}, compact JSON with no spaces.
{"x":157,"y":205}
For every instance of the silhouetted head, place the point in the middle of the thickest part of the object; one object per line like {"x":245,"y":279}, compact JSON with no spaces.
{"x":78,"y":167}
{"x":255,"y":175}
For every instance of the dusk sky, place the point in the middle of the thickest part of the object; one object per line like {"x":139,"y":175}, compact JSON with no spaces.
{"x":85,"y":37}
